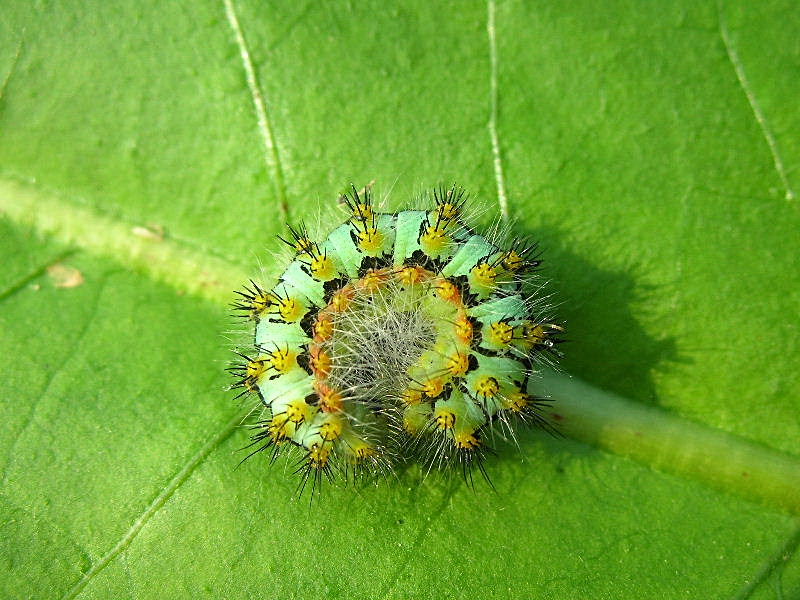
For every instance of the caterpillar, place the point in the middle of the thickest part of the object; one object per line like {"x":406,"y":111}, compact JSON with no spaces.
{"x":403,"y":336}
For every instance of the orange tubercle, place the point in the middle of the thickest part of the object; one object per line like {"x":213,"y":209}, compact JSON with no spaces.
{"x":447,"y":290}
{"x":464,"y":328}
{"x":458,"y":364}
{"x":330,"y":399}
{"x":320,"y":362}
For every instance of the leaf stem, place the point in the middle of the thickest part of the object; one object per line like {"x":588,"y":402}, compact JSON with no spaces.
{"x":665,"y":441}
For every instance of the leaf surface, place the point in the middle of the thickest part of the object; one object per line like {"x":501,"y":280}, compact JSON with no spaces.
{"x":156,"y":149}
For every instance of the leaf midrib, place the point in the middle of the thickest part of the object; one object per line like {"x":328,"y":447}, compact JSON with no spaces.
{"x":651,"y":436}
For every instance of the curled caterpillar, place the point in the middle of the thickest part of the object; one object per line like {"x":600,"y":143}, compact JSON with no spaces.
{"x":402,"y":336}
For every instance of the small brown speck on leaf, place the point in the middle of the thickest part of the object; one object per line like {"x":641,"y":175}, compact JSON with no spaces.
{"x":64,"y":276}
{"x":151,"y":232}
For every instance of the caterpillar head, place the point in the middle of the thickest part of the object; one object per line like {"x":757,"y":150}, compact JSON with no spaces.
{"x":401,"y":336}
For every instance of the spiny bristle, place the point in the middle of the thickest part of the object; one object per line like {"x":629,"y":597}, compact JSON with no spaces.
{"x":400,"y":337}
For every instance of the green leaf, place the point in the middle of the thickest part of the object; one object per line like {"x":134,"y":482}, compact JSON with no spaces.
{"x":150,"y":151}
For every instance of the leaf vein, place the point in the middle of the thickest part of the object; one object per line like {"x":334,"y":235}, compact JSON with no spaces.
{"x":758,"y":113}
{"x":272,"y":157}
{"x":11,"y":70}
{"x":61,"y":365}
{"x":774,"y":564}
{"x":158,"y":502}
{"x":502,"y":198}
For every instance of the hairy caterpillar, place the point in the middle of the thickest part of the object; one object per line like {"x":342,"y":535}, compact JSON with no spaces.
{"x":401,"y":336}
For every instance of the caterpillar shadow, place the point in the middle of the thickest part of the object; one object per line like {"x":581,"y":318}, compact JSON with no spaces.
{"x":607,"y":345}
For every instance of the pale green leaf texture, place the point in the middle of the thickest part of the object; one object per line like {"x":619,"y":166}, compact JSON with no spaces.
{"x":651,"y":147}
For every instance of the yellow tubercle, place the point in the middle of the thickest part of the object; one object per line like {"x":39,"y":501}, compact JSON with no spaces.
{"x":512,"y":261}
{"x":331,"y":429}
{"x":360,"y":449}
{"x":447,"y":211}
{"x":410,"y":396}
{"x":323,"y":328}
{"x":410,"y":275}
{"x":260,"y":302}
{"x":290,"y":309}
{"x":362,"y":211}
{"x":341,"y":300}
{"x":330,"y":399}
{"x":466,"y":440}
{"x":488,"y":387}
{"x":464,"y":328}
{"x":303,"y":245}
{"x":435,"y":240}
{"x":298,"y":411}
{"x":533,"y":334}
{"x":321,"y":363}
{"x":516,"y":401}
{"x":445,"y":418}
{"x":500,"y":333}
{"x":484,"y":275}
{"x":281,"y":427}
{"x":373,"y":280}
{"x":322,"y":268}
{"x":433,"y":387}
{"x":255,"y":369}
{"x":283,"y":360}
{"x":319,"y":455}
{"x":371,"y":240}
